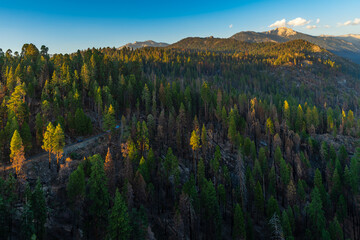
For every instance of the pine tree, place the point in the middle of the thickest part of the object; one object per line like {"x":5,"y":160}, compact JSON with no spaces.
{"x":269,"y":126}
{"x":16,"y":103}
{"x":301,"y":191}
{"x":239,"y":231}
{"x":299,"y":119}
{"x":48,"y":141}
{"x":211,"y":211}
{"x":119,"y":225}
{"x":286,"y":225}
{"x":76,"y":185}
{"x":205,"y":95}
{"x":336,"y":186}
{"x":272,"y":207}
{"x":195,"y":145}
{"x":259,"y":199}
{"x":316,"y":214}
{"x":98,"y":195}
{"x":284,"y":172}
{"x":142,"y":137}
{"x":335,"y":230}
{"x":215,"y":162}
{"x":38,"y":207}
{"x":27,"y":225}
{"x":146,"y":96}
{"x":286,"y":112}
{"x":171,"y":164}
{"x":58,"y":144}
{"x":109,"y":119}
{"x":26,"y":136}
{"x":341,"y":209}
{"x":17,"y":156}
{"x":109,"y":167}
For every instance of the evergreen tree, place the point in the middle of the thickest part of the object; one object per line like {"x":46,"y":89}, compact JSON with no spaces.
{"x":48,"y":141}
{"x":98,"y":196}
{"x":316,"y":214}
{"x":109,"y":167}
{"x":232,"y":132}
{"x":27,"y":224}
{"x":239,"y":231}
{"x":119,"y":225}
{"x":17,"y":153}
{"x":335,"y":230}
{"x":259,"y":199}
{"x":286,"y":225}
{"x":299,"y":119}
{"x":146,"y":96}
{"x":286,"y":112}
{"x":211,"y":210}
{"x":142,"y":137}
{"x":272,"y":207}
{"x":269,"y":126}
{"x":39,"y":209}
{"x":109,"y":121}
{"x":58,"y":144}
{"x":25,"y":134}
{"x":139,"y":223}
{"x":16,"y":103}
{"x":215,"y":162}
{"x":76,"y":185}
{"x":195,"y":145}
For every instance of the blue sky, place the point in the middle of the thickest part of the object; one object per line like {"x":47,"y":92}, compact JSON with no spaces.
{"x":65,"y":26}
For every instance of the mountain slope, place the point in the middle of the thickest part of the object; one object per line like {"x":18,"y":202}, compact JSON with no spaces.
{"x":148,"y":43}
{"x":345,"y":46}
{"x":212,"y":44}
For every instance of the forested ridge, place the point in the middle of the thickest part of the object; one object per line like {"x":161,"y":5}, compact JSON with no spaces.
{"x":204,"y":139}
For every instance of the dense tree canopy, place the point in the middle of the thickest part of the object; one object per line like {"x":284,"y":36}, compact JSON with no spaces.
{"x":208,"y":138}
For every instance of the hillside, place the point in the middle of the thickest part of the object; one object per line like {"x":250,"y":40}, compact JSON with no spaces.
{"x":344,"y":46}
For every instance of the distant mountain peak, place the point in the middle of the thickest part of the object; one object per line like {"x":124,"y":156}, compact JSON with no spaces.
{"x":283,"y":32}
{"x":148,"y":43}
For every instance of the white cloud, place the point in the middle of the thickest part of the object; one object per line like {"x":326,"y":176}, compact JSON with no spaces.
{"x":279,"y":23}
{"x":230,"y":26}
{"x":293,"y":23}
{"x":318,"y":20}
{"x":356,"y":21}
{"x":298,"y":22}
{"x":311,"y":26}
{"x":347,"y":23}
{"x":327,"y":26}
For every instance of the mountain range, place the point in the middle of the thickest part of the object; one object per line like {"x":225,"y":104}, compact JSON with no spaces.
{"x":148,"y":43}
{"x":347,"y":46}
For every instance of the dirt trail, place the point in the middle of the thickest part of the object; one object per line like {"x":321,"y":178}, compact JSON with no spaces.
{"x":67,"y":149}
